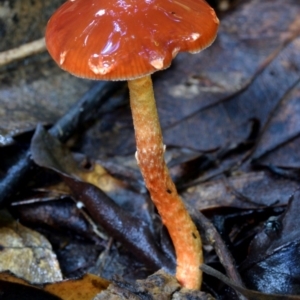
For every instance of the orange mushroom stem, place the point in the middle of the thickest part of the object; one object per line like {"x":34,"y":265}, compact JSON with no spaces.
{"x":150,"y":157}
{"x":124,"y":40}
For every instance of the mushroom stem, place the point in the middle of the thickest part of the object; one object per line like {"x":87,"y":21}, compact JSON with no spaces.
{"x":150,"y":157}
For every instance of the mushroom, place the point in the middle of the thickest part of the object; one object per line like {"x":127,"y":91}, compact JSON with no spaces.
{"x":130,"y":40}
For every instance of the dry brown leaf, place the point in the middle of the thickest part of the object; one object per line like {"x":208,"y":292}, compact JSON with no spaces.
{"x":27,"y":253}
{"x":249,"y":190}
{"x":85,"y":288}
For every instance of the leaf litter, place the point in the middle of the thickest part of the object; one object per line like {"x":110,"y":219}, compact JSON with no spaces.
{"x":231,"y":114}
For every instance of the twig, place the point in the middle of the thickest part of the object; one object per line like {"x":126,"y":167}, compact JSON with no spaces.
{"x":94,"y":226}
{"x":213,"y":238}
{"x":23,"y":51}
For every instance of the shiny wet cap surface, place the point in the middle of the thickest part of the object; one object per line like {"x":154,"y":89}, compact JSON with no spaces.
{"x":125,"y":39}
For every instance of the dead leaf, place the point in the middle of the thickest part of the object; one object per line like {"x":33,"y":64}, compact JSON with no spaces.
{"x":272,"y":262}
{"x":250,"y":294}
{"x":127,"y":228}
{"x":50,"y":153}
{"x":84,"y":288}
{"x":250,"y":190}
{"x":26,"y":253}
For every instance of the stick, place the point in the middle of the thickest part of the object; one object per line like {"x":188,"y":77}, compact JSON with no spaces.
{"x":23,"y":51}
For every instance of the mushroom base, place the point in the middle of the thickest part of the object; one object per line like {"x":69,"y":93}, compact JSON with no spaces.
{"x":150,"y":157}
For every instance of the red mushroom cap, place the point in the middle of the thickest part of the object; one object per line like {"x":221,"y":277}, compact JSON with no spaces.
{"x":126,"y":39}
